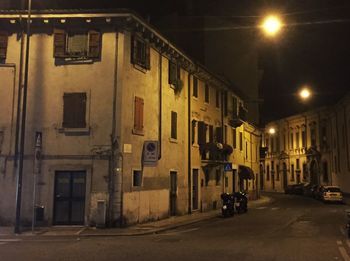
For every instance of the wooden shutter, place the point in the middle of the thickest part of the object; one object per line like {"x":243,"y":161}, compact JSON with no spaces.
{"x":3,"y":44}
{"x":74,"y":110}
{"x":172,"y":72}
{"x":133,"y":49}
{"x":201,"y":133}
{"x":148,"y":56}
{"x":59,"y":48}
{"x":138,"y":114}
{"x":173,"y":125}
{"x":94,"y":44}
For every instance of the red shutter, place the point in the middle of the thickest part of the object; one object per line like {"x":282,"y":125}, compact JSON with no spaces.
{"x":138,"y":117}
{"x":94,"y":44}
{"x":3,"y":44}
{"x":59,"y":48}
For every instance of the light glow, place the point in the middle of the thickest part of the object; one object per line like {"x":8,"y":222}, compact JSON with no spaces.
{"x":272,"y":25}
{"x":272,"y":131}
{"x":305,"y":93}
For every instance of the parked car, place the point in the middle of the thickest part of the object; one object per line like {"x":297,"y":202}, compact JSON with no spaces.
{"x":331,"y":194}
{"x":294,"y":189}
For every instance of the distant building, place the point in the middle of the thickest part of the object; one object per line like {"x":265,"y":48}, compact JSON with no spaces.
{"x":121,"y":128}
{"x":312,"y":147}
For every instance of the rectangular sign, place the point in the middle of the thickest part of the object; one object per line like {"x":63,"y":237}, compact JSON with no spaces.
{"x":150,"y":153}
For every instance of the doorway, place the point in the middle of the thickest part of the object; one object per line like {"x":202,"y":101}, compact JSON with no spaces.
{"x":69,"y":198}
{"x":195,"y":189}
{"x":173,"y":192}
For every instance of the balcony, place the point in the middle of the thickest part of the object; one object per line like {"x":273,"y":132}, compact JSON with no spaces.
{"x":215,"y":152}
{"x":238,"y":119}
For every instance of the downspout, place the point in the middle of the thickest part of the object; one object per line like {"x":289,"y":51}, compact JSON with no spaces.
{"x":160,"y":107}
{"x":113,"y":163}
{"x":189,"y":131}
{"x":346,"y":138}
{"x":20,"y":79}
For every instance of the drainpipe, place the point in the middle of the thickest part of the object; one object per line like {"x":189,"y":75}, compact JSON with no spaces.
{"x":346,"y":138}
{"x":160,"y":107}
{"x":189,"y":131}
{"x":113,"y":164}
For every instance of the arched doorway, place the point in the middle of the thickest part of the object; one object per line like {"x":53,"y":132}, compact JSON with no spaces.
{"x":314,"y":173}
{"x":285,"y":176}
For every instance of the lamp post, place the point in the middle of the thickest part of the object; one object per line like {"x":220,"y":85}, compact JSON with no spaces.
{"x":23,"y":125}
{"x":271,"y":25}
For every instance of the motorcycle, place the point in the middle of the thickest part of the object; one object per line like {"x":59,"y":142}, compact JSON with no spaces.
{"x":241,"y":202}
{"x":227,"y":208}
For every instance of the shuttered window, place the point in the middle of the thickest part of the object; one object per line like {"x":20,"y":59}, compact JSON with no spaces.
{"x":206,"y":93}
{"x":202,"y":133}
{"x":140,"y":52}
{"x":74,"y":110}
{"x":3,"y":44}
{"x":78,"y":45}
{"x":195,"y":87}
{"x":174,"y":73}
{"x":173,"y":125}
{"x":138,"y":115}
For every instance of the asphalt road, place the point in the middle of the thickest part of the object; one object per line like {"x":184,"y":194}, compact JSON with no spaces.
{"x":289,"y":228}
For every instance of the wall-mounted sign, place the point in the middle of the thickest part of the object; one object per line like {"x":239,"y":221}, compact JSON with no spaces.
{"x":150,"y":153}
{"x":228,"y":167}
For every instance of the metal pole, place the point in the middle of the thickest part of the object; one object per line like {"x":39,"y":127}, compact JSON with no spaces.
{"x":23,"y":122}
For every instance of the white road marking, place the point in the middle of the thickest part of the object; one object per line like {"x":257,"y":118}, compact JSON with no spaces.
{"x":80,"y":231}
{"x":274,"y":208}
{"x":10,"y":240}
{"x":261,"y":207}
{"x":344,"y":254}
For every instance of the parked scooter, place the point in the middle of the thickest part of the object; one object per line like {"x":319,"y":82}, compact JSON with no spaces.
{"x":241,"y":202}
{"x":227,"y":208}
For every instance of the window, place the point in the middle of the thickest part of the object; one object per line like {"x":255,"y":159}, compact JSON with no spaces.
{"x":292,"y":173}
{"x":267,"y":172}
{"x":194,"y":123}
{"x":211,"y":133}
{"x":224,"y":103}
{"x":195,"y":87}
{"x":74,"y":110}
{"x":3,"y":44}
{"x":137,"y":178}
{"x":234,"y":138}
{"x":304,"y":171}
{"x":77,"y":44}
{"x":217,"y":177}
{"x":303,"y":138}
{"x":291,"y":144}
{"x":277,"y":172}
{"x":173,"y":125}
{"x":240,"y":141}
{"x":202,"y":133}
{"x":206,"y":93}
{"x":313,"y":136}
{"x":174,"y":74}
{"x":138,"y":115}
{"x":217,"y":100}
{"x":140,"y":52}
{"x":298,"y":164}
{"x":297,"y":139}
{"x":234,"y":106}
{"x":218,"y":134}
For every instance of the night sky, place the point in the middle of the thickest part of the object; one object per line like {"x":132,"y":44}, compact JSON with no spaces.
{"x":313,"y":49}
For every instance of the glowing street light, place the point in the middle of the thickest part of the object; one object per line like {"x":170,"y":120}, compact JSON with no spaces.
{"x":271,"y":25}
{"x":305,"y":93}
{"x":272,"y":130}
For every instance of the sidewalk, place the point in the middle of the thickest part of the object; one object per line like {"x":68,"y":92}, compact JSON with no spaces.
{"x":136,"y":230}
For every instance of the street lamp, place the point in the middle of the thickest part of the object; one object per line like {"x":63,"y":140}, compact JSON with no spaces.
{"x":272,"y":130}
{"x":305,"y":93}
{"x":271,"y":25}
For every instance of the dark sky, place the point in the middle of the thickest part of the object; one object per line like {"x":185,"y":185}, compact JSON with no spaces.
{"x":313,"y":49}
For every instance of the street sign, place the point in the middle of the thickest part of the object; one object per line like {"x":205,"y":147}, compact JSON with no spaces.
{"x":228,"y":167}
{"x":150,"y":153}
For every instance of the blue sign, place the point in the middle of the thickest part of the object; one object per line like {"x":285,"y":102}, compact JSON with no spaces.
{"x":228,"y":167}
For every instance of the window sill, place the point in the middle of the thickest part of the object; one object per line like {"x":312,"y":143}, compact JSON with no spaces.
{"x":172,"y":140}
{"x":75,"y":131}
{"x":138,"y":132}
{"x":140,"y":68}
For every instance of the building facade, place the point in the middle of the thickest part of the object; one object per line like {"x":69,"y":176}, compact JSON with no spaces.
{"x":121,"y":126}
{"x":312,"y":147}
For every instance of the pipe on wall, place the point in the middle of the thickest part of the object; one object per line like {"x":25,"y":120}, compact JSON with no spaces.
{"x":189,"y":131}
